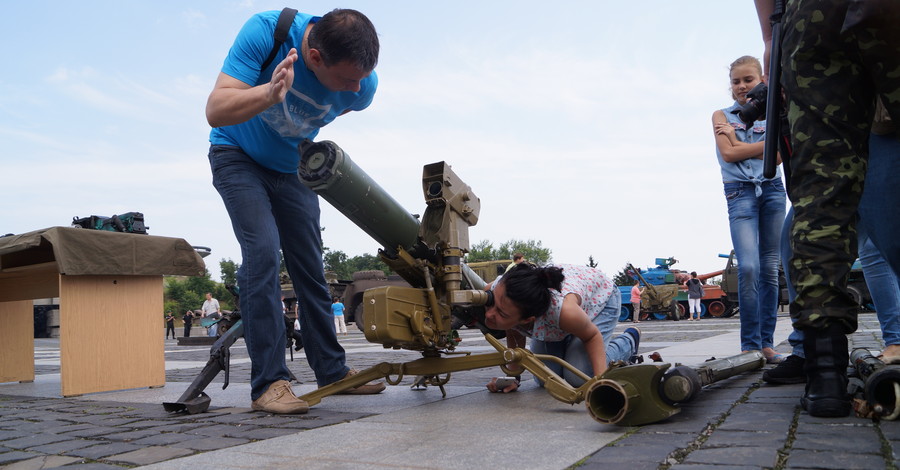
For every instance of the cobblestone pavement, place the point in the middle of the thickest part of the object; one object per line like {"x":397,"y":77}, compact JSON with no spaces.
{"x":736,"y":424}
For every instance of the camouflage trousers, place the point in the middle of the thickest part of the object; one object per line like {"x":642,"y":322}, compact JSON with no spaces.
{"x":837,"y":57}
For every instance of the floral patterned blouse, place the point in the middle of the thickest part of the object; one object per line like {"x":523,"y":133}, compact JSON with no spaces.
{"x":591,"y":284}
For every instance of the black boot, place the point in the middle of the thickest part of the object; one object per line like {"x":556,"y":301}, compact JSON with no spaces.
{"x":827,"y":357}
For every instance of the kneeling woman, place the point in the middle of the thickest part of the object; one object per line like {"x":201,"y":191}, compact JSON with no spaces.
{"x":568,"y":311}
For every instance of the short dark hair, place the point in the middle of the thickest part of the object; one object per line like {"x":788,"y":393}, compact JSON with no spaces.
{"x":345,"y":35}
{"x":528,"y":286}
{"x":518,"y":256}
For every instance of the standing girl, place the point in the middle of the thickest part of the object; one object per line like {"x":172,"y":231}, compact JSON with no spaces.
{"x":756,"y":209}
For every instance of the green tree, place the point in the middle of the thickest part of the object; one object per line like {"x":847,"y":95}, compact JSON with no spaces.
{"x":336,"y":261}
{"x":622,"y":278}
{"x":178,"y":297}
{"x":188,"y":293}
{"x":533,"y":250}
{"x":344,"y":266}
{"x":367,"y":262}
{"x":229,"y":271}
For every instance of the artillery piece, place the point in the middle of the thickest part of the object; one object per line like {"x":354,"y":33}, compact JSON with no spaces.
{"x":658,"y":298}
{"x":428,"y":255}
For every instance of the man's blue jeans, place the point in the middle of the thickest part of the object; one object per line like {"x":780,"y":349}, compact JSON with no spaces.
{"x":756,"y":222}
{"x":271,"y":211}
{"x":573,"y":351}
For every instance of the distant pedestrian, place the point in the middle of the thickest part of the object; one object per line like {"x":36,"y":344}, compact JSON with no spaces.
{"x":636,"y":293}
{"x":517,"y":258}
{"x":337,"y":309}
{"x":170,"y":324}
{"x":695,"y":296}
{"x":211,"y":310}
{"x":188,"y":320}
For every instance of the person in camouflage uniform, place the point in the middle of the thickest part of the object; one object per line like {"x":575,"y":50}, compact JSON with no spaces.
{"x":838,"y":56}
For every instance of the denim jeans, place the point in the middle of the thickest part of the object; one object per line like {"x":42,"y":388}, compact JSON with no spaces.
{"x":881,"y":197}
{"x":271,"y":211}
{"x":883,"y":286}
{"x":795,"y":339}
{"x":572,"y":349}
{"x":756,"y":223}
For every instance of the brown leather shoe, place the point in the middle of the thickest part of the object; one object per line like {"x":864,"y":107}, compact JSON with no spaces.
{"x":370,"y":388}
{"x":280,"y":399}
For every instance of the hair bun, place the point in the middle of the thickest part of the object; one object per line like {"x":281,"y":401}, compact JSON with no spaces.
{"x":551,"y":276}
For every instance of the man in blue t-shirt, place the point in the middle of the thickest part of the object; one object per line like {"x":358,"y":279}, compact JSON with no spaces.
{"x":324,"y":68}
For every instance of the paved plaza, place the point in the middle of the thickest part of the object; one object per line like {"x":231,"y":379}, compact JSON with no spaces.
{"x":738,"y":423}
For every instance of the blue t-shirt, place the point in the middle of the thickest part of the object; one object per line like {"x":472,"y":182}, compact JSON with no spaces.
{"x":337,"y":309}
{"x":271,"y":137}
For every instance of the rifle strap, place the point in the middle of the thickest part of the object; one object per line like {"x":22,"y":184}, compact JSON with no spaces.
{"x":282,"y":28}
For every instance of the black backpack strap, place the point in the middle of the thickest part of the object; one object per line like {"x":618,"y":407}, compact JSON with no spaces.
{"x":285,"y":20}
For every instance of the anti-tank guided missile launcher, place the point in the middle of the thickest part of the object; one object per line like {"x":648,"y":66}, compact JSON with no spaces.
{"x":428,"y":255}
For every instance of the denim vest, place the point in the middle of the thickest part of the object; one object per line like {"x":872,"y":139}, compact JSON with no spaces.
{"x":751,"y":169}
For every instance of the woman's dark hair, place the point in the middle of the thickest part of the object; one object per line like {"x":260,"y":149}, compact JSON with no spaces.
{"x":528,"y":287}
{"x":345,"y":35}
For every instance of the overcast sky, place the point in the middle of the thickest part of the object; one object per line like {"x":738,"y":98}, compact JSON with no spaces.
{"x":583,"y":125}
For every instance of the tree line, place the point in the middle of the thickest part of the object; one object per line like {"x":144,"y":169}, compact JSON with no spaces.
{"x":188,"y":293}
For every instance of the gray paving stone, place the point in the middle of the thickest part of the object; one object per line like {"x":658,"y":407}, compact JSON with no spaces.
{"x":175,"y":427}
{"x":163,"y":439}
{"x":860,"y":441}
{"x":756,"y":456}
{"x":64,"y":428}
{"x":6,"y":435}
{"x":822,"y":459}
{"x":216,"y":430}
{"x":632,"y":465}
{"x":210,"y":443}
{"x":890,"y":429}
{"x":106,"y":420}
{"x":148,"y":423}
{"x":684,"y":466}
{"x":129,"y":436}
{"x":326,"y":419}
{"x":15,"y":456}
{"x":46,"y":461}
{"x":650,"y":456}
{"x":259,"y":419}
{"x":34,"y":427}
{"x":644,"y":438}
{"x":764,"y":422}
{"x":832,"y":429}
{"x":851,"y":420}
{"x":725,"y":438}
{"x":261,"y":433}
{"x":680,"y":424}
{"x":103,"y":450}
{"x":235,"y":418}
{"x":93,"y":431}
{"x":148,"y":455}
{"x":64,"y":446}
{"x":93,"y":466}
{"x":35,"y":440}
